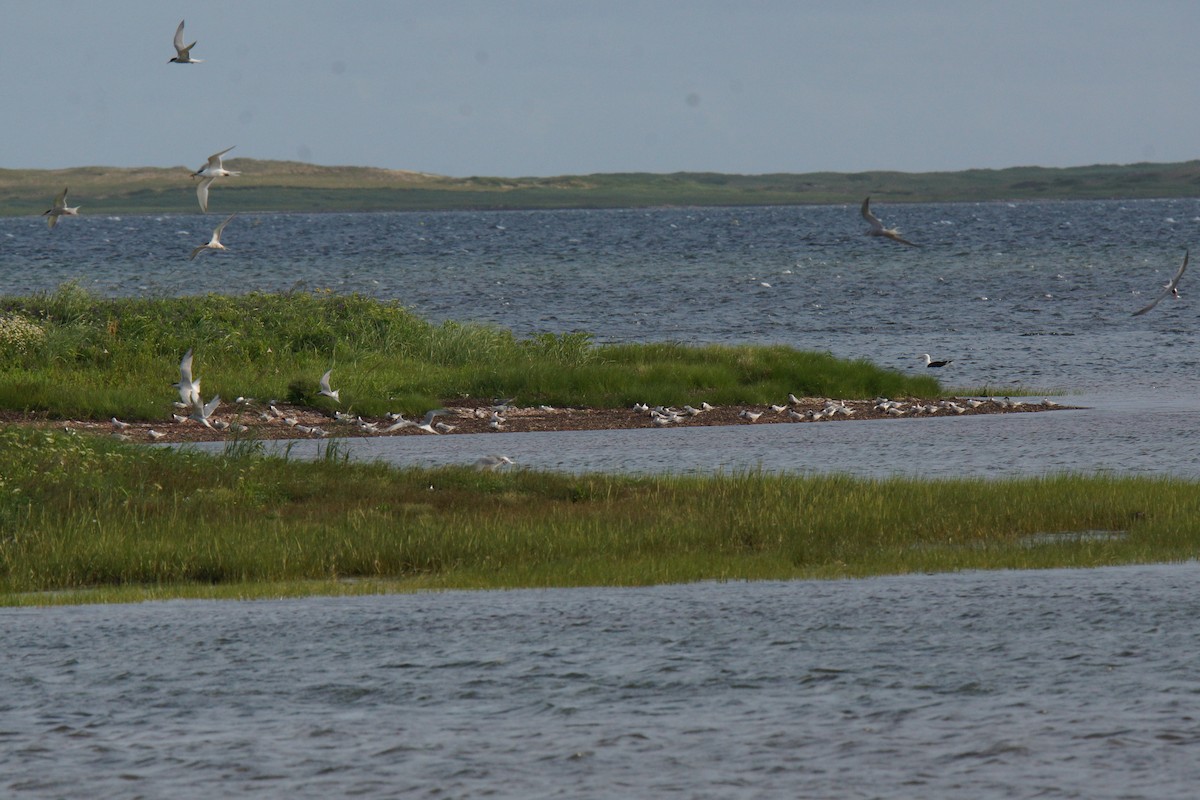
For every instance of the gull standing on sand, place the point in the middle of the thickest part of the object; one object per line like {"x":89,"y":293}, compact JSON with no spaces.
{"x":60,"y":209}
{"x":214,"y":168}
{"x":189,"y":389}
{"x":877,"y":228}
{"x":325,"y":390}
{"x":1172,"y":287}
{"x":215,"y":242}
{"x":183,"y":55}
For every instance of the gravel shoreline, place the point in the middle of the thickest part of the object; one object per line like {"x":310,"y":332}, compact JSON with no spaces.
{"x":258,"y":421}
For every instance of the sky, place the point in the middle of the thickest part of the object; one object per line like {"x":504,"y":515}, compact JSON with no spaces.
{"x":556,"y":87}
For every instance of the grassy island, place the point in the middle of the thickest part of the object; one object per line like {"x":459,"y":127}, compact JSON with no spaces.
{"x":89,"y":518}
{"x":69,"y":354}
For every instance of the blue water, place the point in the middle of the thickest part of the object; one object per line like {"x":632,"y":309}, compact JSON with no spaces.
{"x":1060,"y":684}
{"x":1030,"y":294}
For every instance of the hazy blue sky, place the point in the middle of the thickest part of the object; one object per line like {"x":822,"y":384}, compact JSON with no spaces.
{"x":549,"y":87}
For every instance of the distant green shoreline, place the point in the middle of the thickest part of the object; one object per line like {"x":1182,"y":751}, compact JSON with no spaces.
{"x":293,"y":186}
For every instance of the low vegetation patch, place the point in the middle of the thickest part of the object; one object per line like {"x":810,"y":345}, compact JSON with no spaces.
{"x":70,"y":354}
{"x":91,"y":519}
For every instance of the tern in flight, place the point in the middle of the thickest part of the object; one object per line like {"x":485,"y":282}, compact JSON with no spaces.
{"x":60,"y":209}
{"x":208,"y":173}
{"x":426,"y":423}
{"x":492,"y":463}
{"x":215,"y":242}
{"x":183,"y":55}
{"x":1171,"y":288}
{"x":189,"y":389}
{"x":325,"y":390}
{"x":201,"y":411}
{"x":877,"y":228}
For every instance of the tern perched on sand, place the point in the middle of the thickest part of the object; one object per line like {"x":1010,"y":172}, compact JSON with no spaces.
{"x":60,"y":209}
{"x":189,"y":388}
{"x":325,"y":390}
{"x":183,"y":55}
{"x":215,"y":242}
{"x":1171,"y":288}
{"x":877,"y":228}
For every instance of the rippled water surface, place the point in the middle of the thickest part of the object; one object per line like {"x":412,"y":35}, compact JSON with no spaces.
{"x":1058,"y":684}
{"x":1036,"y":294}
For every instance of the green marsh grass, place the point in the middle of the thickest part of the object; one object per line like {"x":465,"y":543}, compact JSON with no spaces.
{"x":91,"y":519}
{"x":86,"y":357}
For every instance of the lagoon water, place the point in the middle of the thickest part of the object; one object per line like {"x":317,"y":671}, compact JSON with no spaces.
{"x":1055,"y":684}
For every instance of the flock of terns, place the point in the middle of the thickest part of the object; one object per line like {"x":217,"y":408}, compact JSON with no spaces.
{"x":199,"y":411}
{"x":193,"y":408}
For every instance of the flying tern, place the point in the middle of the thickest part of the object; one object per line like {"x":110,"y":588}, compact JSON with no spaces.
{"x":202,"y":411}
{"x":877,"y":228}
{"x":183,"y":55}
{"x":189,"y":388}
{"x":426,"y":423}
{"x":1171,"y":288}
{"x":215,"y":242}
{"x":325,"y":390}
{"x":60,"y":209}
{"x":214,"y":168}
{"x":492,"y":463}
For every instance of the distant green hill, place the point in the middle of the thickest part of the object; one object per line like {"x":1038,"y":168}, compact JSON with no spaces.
{"x":293,"y":186}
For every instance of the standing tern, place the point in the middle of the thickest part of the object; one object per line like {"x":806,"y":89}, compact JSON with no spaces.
{"x":877,"y":228}
{"x":1170,"y":288}
{"x":183,"y":55}
{"x":325,"y":390}
{"x":215,"y":242}
{"x":60,"y":209}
